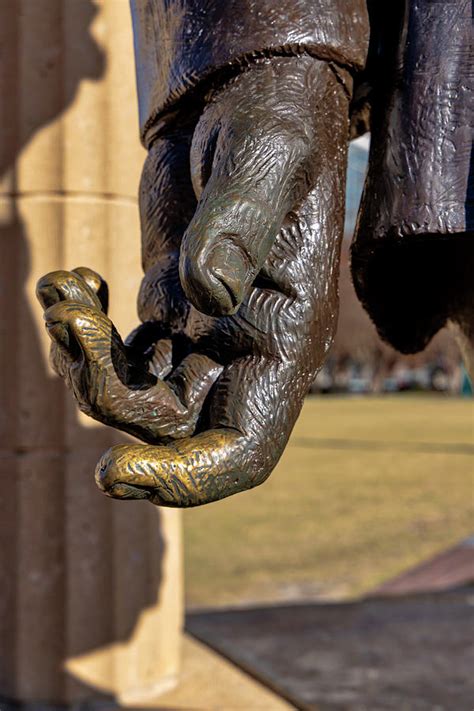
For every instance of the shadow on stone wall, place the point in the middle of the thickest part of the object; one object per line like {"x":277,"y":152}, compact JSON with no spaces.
{"x":77,"y":569}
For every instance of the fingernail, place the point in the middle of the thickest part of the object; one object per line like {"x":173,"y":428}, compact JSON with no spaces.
{"x":216,"y":283}
{"x":229,"y":264}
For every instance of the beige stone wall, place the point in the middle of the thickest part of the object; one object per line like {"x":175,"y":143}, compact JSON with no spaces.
{"x":90,"y":599}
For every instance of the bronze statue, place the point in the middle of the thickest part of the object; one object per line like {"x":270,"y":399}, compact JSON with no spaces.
{"x":246,"y":109}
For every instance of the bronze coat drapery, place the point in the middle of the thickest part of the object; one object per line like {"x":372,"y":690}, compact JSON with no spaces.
{"x":183,"y":45}
{"x":412,"y":250}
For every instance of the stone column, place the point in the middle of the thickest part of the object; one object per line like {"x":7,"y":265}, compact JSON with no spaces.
{"x":90,"y":597}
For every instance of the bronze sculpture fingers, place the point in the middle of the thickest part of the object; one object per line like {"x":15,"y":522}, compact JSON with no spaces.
{"x":107,"y":384}
{"x":185,"y":473}
{"x":80,"y":285}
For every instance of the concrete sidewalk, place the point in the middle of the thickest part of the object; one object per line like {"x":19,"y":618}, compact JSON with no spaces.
{"x":409,"y":653}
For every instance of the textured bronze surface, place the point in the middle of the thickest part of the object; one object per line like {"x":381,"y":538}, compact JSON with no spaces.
{"x":413,"y":253}
{"x":246,"y":110}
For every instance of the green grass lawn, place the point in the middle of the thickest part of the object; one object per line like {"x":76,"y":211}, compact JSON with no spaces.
{"x":366,"y":488}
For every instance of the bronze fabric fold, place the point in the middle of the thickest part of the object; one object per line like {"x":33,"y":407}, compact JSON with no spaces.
{"x":182,"y":44}
{"x":413,"y":249}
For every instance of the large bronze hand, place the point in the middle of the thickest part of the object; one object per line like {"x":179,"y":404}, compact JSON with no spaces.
{"x":244,"y":212}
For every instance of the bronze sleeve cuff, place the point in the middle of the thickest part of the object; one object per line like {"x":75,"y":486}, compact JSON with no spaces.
{"x":179,"y":44}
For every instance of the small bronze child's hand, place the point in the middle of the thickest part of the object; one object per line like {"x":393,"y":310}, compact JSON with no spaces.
{"x":116,"y":383}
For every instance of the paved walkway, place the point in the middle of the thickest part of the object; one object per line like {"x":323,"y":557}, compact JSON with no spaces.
{"x":410,"y":653}
{"x":450,"y":569}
